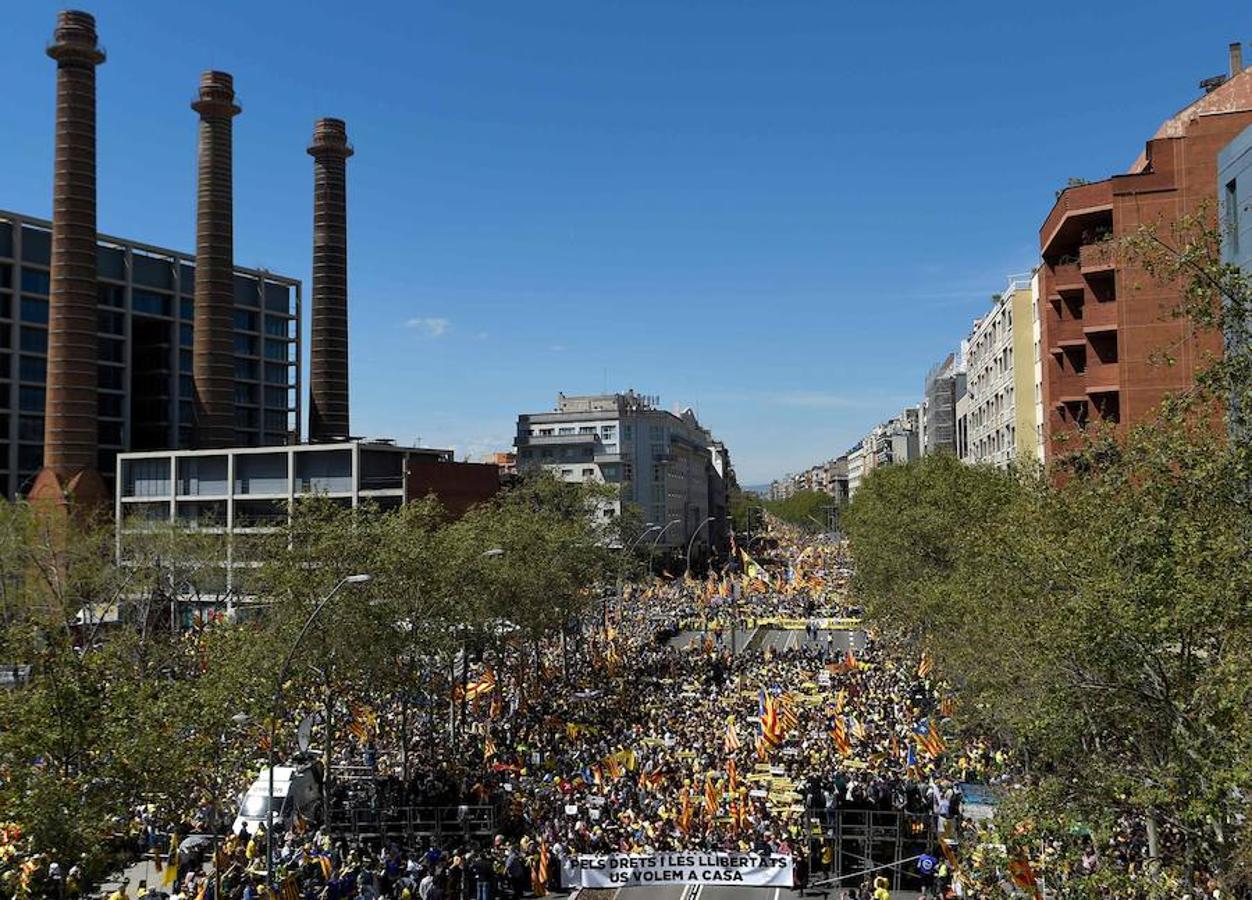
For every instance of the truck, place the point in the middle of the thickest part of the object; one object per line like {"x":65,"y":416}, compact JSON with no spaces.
{"x":297,"y":794}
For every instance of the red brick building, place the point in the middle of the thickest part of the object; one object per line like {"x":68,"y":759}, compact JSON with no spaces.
{"x":1105,"y":323}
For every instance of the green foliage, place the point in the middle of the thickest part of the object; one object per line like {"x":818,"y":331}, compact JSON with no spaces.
{"x":807,"y":510}
{"x":1098,"y":619}
{"x":127,"y":706}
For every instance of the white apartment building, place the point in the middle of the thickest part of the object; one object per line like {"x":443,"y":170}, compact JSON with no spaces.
{"x":999,"y":424}
{"x":856,"y":468}
{"x":1037,"y":337}
{"x":664,"y":462}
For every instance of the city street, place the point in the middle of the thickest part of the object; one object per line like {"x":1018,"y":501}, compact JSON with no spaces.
{"x":718,"y":892}
{"x":779,"y":639}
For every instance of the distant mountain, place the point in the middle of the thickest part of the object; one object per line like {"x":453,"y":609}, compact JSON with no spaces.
{"x":761,"y":489}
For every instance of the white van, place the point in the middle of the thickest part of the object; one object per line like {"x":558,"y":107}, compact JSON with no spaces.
{"x":297,"y":791}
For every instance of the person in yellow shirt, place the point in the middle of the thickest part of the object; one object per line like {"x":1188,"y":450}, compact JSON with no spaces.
{"x":880,"y":889}
{"x":120,"y":893}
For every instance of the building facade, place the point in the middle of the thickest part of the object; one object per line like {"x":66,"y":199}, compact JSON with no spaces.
{"x":945,"y":383}
{"x":1234,"y":182}
{"x":247,"y":491}
{"x":659,"y":461}
{"x":144,"y":355}
{"x":1234,"y":166}
{"x":999,"y":405}
{"x":1104,"y":321}
{"x":856,"y":468}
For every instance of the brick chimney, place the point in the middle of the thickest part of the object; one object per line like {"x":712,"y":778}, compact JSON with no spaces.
{"x":1236,"y":58}
{"x":213,"y":363}
{"x":69,"y":475}
{"x":328,"y":356}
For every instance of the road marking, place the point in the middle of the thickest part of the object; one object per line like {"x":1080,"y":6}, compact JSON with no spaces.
{"x":777,"y":891}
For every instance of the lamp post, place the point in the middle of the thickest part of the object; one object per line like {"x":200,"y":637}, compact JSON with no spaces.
{"x":493,"y":553}
{"x":278,"y":692}
{"x":691,"y":543}
{"x":240,"y":719}
{"x":627,"y":549}
{"x":656,"y":540}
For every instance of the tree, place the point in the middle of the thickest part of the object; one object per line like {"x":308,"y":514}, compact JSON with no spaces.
{"x":1098,"y":619}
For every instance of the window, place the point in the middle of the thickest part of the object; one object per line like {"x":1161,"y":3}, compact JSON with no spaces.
{"x":35,"y":282}
{"x":608,"y":432}
{"x":245,"y":345}
{"x":245,"y":320}
{"x":29,"y":458}
{"x":34,"y":340}
{"x":275,"y":349}
{"x":111,"y":351}
{"x":565,"y":431}
{"x":186,"y":334}
{"x":245,"y":393}
{"x":184,"y":361}
{"x":31,"y":399}
{"x":275,"y":396}
{"x":187,"y":308}
{"x":275,"y":420}
{"x":34,"y":310}
{"x":545,"y":432}
{"x":111,"y":295}
{"x":109,"y":433}
{"x":246,"y":368}
{"x":589,"y":473}
{"x":33,"y":368}
{"x":111,"y":322}
{"x":110,"y":377}
{"x":587,"y":429}
{"x":150,"y":302}
{"x":109,"y":405}
{"x":29,"y":428}
{"x":275,"y":326}
{"x":275,"y":373}
{"x":1232,"y":216}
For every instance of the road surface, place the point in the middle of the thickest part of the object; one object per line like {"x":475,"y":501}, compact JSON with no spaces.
{"x":779,"y":639}
{"x":720,"y":892}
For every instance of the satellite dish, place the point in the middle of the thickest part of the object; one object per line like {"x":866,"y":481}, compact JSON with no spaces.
{"x":304,"y":734}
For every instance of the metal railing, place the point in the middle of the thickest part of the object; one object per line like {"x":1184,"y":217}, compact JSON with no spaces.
{"x":863,"y":839}
{"x":436,"y":822}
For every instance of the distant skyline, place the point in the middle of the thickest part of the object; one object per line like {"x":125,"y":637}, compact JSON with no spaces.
{"x":779,"y":214}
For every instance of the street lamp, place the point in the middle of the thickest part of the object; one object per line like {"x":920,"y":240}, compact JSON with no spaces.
{"x":691,"y":543}
{"x":278,"y":692}
{"x":239,"y":719}
{"x":493,"y":553}
{"x":656,"y":540}
{"x":627,"y":549}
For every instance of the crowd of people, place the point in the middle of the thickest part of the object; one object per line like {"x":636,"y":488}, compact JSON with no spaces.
{"x":662,"y":734}
{"x":677,"y":720}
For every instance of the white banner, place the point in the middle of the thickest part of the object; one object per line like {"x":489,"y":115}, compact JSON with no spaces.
{"x":684,"y":867}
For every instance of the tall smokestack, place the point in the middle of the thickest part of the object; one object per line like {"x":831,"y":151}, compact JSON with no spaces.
{"x":213,"y":364}
{"x":328,"y":359}
{"x":69,"y":455}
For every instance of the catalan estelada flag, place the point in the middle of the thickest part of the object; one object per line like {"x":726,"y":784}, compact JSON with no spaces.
{"x":730,"y":743}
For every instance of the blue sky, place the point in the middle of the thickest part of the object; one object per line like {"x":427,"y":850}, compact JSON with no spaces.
{"x":779,"y":213}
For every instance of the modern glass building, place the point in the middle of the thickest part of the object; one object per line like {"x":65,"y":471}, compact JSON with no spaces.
{"x":146,"y":399}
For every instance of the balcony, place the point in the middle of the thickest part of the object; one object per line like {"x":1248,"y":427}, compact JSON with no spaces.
{"x":1102,"y":377}
{"x":1099,"y":318}
{"x":1065,"y":383}
{"x":1067,"y":278}
{"x":1097,"y":257}
{"x":555,"y":440}
{"x":1078,"y":208}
